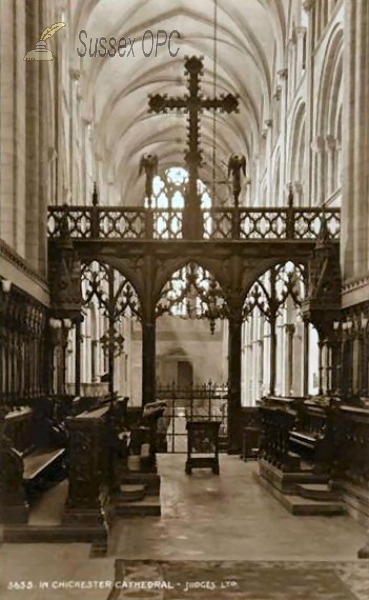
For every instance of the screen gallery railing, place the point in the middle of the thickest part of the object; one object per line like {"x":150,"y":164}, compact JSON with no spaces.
{"x":113,"y":223}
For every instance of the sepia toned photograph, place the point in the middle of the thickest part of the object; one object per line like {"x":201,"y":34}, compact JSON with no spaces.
{"x":184,"y":300}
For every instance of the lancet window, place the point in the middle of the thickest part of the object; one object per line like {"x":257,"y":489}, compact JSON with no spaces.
{"x":168,"y":202}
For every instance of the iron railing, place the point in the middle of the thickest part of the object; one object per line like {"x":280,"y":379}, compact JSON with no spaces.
{"x":205,"y":402}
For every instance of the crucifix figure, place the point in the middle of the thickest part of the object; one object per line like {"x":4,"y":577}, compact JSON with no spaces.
{"x":193,"y":103}
{"x":236,"y":164}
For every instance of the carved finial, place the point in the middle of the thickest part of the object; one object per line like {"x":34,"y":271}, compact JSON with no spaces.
{"x":95,"y":195}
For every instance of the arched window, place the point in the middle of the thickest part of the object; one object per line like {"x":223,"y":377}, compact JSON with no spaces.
{"x":169,"y":193}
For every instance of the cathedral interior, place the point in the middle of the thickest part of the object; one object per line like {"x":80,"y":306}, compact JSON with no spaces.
{"x":184,"y":299}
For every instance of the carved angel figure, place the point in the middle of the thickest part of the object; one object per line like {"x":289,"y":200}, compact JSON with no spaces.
{"x":149,"y":164}
{"x":236,"y":164}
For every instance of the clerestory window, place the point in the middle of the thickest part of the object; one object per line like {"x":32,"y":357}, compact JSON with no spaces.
{"x":169,"y":199}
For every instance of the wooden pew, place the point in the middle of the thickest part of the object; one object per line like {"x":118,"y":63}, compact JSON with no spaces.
{"x":278,"y":418}
{"x":310,"y":426}
{"x":32,"y":453}
{"x":307,"y":426}
{"x":311,"y":436}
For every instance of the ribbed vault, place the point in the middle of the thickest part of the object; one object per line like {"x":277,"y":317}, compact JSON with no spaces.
{"x":249,"y":37}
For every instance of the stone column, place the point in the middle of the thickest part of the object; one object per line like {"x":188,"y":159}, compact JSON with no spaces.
{"x":306,"y":358}
{"x":33,"y":139}
{"x":335,"y":354}
{"x":94,"y":346}
{"x":283,"y":82}
{"x":273,"y":354}
{"x":330,"y":145}
{"x":318,"y":146}
{"x":290,"y":330}
{"x":321,"y":366}
{"x":301,"y":42}
{"x":308,"y":6}
{"x":260,"y":368}
{"x":355,"y":201}
{"x":347,"y":358}
{"x":13,"y":123}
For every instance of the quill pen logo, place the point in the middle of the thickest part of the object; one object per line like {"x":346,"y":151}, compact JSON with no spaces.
{"x":41,"y":52}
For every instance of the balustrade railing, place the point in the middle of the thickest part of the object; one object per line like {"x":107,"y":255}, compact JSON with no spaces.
{"x":136,"y":223}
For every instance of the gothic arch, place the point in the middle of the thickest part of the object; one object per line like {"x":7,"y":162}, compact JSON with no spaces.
{"x":194,"y":293}
{"x":125,"y":273}
{"x":329,"y":106}
{"x":266,"y":266}
{"x":173,"y":266}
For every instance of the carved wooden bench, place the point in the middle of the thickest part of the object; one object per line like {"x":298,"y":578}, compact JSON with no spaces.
{"x":26,"y":463}
{"x":310,"y":437}
{"x":303,"y":424}
{"x":39,"y":464}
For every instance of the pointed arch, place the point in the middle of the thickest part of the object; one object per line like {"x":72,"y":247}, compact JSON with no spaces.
{"x":329,"y":106}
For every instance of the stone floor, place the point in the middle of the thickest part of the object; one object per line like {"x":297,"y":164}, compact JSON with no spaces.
{"x":204,"y":517}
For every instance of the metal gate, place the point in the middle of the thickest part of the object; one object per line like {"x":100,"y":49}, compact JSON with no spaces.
{"x":206,"y":402}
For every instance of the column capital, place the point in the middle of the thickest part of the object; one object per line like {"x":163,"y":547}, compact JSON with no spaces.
{"x":318,"y":144}
{"x":298,"y":187}
{"x":300,"y":31}
{"x":277,"y":93}
{"x":283,"y":73}
{"x":308,"y":5}
{"x":75,"y":74}
{"x":330,"y":142}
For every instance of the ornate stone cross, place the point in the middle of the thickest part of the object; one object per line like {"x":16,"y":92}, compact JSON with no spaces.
{"x":193,"y":103}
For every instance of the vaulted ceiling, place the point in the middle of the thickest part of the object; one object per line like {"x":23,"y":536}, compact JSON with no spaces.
{"x":250,"y":37}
